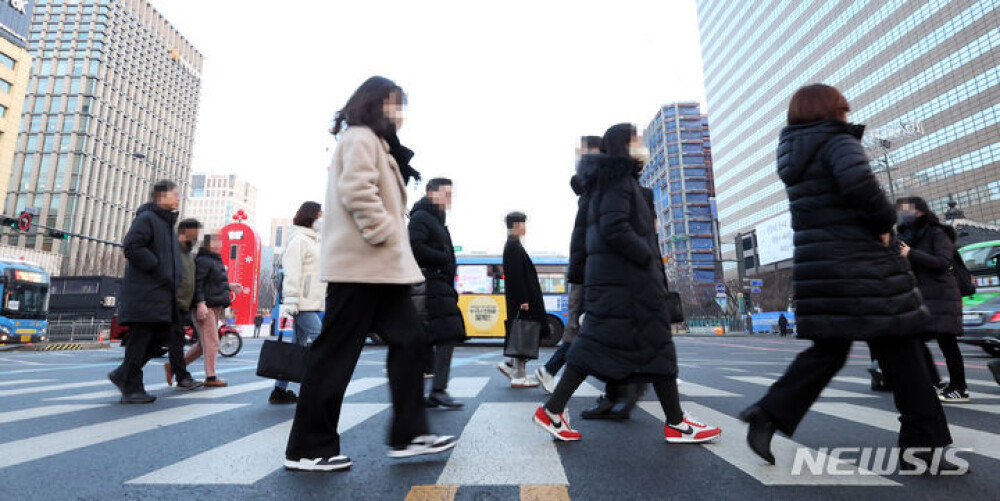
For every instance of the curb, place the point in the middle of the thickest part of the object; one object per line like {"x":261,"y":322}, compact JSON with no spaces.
{"x":59,"y":346}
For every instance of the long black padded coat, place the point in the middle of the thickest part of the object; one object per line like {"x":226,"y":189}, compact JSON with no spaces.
{"x":626,"y":328}
{"x":154,"y":269}
{"x":521,"y":286}
{"x":435,"y":254}
{"x":932,"y":248}
{"x":846,"y":283}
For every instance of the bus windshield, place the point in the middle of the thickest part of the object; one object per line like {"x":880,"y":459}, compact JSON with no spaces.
{"x":25,"y":300}
{"x":981,"y":258}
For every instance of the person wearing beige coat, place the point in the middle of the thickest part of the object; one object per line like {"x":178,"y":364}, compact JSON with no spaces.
{"x":369,"y":268}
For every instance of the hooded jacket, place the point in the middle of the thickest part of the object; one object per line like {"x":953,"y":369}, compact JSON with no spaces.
{"x":154,"y":268}
{"x":577,"y":253}
{"x":932,"y":248}
{"x":211,"y":280}
{"x":301,"y":285}
{"x":626,"y":330}
{"x":846,"y":283}
{"x":435,"y":254}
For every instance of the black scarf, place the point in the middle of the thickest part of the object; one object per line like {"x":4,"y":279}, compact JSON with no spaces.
{"x":402,"y":154}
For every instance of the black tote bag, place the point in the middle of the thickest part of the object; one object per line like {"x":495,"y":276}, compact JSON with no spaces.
{"x":282,"y":361}
{"x":524,"y":336}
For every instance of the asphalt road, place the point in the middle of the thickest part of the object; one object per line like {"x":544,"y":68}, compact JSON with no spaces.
{"x":63,"y":436}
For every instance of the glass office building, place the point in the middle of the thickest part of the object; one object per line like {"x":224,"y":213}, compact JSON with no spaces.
{"x":680,"y":174}
{"x":936,"y":62}
{"x":111,"y":107}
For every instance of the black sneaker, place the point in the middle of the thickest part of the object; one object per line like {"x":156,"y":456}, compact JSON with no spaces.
{"x":139,"y":397}
{"x":282,"y":397}
{"x":318,"y":464}
{"x":954,"y":397}
{"x":994,"y":366}
{"x":941,"y":386}
{"x":424,"y":444}
{"x":190,"y":384}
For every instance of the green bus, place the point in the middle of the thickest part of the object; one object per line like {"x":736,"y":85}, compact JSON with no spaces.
{"x":981,"y":259}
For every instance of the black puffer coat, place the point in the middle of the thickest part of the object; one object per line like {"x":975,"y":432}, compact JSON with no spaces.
{"x":154,"y":268}
{"x":211,"y":280}
{"x":435,"y":254}
{"x":626,"y":331}
{"x":932,"y":248}
{"x":847,"y":285}
{"x":578,"y":240}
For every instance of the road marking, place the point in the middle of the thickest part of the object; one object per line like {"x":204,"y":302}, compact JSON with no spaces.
{"x":31,"y":449}
{"x":248,"y":459}
{"x":544,"y":493}
{"x":364,"y":384}
{"x":827,"y":392}
{"x":732,"y":448}
{"x":586,"y":390}
{"x":696,"y":390}
{"x":24,"y":381}
{"x":991,"y":408}
{"x":40,"y":412}
{"x":207,"y":393}
{"x":519,"y":452}
{"x":867,"y":382}
{"x":732,"y":369}
{"x":467,"y":387}
{"x":103,"y":393}
{"x":432,"y":493}
{"x":55,"y":387}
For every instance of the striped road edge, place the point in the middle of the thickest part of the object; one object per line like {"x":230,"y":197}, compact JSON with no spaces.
{"x":544,"y":493}
{"x":447,"y":492}
{"x":66,"y":346}
{"x":432,"y":493}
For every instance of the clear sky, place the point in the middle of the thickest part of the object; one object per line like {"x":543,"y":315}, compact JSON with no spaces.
{"x":499,"y":94}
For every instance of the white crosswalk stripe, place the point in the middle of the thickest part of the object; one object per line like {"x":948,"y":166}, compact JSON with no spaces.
{"x":867,"y":382}
{"x":30,"y":449}
{"x":733,"y":449}
{"x":827,"y":392}
{"x":20,"y":382}
{"x":690,"y":389}
{"x":466,"y":387}
{"x":55,"y":387}
{"x":248,"y":459}
{"x":209,"y":393}
{"x":45,"y":411}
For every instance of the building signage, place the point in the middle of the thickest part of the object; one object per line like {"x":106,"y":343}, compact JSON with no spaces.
{"x":774,"y":239}
{"x":15,"y":20}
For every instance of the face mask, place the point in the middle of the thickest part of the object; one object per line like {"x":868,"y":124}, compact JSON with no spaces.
{"x":639,"y":153}
{"x":317,"y":224}
{"x":907,"y":218}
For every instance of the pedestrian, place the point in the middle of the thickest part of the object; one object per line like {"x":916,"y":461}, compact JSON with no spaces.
{"x":782,"y":325}
{"x":370,"y":269}
{"x":850,"y":284}
{"x":211,"y":298}
{"x":625,"y":337}
{"x":258,"y":322}
{"x":930,"y":248}
{"x":435,"y":254}
{"x":749,"y":323}
{"x":302,"y":292}
{"x":149,"y":288}
{"x":187,"y":236}
{"x":574,"y":274}
{"x":523,"y":294}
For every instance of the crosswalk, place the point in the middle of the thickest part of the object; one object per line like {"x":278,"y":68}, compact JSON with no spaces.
{"x":519,"y":453}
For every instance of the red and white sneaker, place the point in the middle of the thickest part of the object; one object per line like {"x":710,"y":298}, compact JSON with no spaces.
{"x":690,"y":431}
{"x":558,"y":426}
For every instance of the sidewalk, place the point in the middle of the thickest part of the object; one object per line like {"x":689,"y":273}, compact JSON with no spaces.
{"x":708,"y":332}
{"x":89,"y":345}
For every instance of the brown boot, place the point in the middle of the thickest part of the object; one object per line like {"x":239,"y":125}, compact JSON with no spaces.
{"x":170,"y":375}
{"x":215,"y":383}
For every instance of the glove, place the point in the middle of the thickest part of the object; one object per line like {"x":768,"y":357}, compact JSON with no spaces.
{"x":291,"y":309}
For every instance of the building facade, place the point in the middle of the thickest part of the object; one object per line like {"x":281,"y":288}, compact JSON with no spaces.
{"x":680,"y":174}
{"x":279,"y":233}
{"x":111,"y":108}
{"x":214,"y":199}
{"x":935,"y":63}
{"x":15,"y":69}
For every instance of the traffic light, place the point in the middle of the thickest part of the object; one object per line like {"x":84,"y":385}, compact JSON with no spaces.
{"x":59,"y":235}
{"x":9,"y":221}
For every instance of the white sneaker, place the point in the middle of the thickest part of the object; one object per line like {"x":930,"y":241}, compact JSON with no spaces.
{"x":690,"y":431}
{"x":523,"y":382}
{"x":424,"y":444}
{"x":319,"y":464}
{"x":505,"y":369}
{"x":548,"y":381}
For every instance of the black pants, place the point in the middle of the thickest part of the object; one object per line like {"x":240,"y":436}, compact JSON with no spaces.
{"x":352,"y":312}
{"x":558,"y":359}
{"x":952,"y":357}
{"x":144,"y":341}
{"x":442,"y":365}
{"x":666,"y":392}
{"x":175,"y":348}
{"x":922,"y":420}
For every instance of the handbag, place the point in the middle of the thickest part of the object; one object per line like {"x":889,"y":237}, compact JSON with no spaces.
{"x":674,"y":307}
{"x":282,"y":361}
{"x":966,"y":287}
{"x":524,"y":336}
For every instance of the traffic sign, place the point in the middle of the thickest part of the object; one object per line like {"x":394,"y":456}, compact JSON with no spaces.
{"x":756,"y":283}
{"x":755,"y":290}
{"x":458,"y":248}
{"x":720,"y":288}
{"x":24,"y":221}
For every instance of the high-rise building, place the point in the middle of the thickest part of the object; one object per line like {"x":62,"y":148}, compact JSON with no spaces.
{"x":279,"y":233}
{"x":215,"y":198}
{"x":15,"y":69}
{"x":680,"y":174}
{"x":111,"y":108}
{"x":898,"y":62}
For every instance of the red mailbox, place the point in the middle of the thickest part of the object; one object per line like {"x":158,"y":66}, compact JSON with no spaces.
{"x":241,"y":255}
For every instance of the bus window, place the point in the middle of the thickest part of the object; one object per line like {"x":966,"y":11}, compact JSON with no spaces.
{"x":473,"y":279}
{"x":552,"y":283}
{"x":981,"y":258}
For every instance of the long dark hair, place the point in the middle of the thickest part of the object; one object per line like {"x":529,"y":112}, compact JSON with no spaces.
{"x":307,"y":214}
{"x":365,"y":107}
{"x":616,"y":140}
{"x":932,"y":219}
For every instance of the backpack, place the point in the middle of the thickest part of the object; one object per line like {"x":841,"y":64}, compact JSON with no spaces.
{"x":966,"y":286}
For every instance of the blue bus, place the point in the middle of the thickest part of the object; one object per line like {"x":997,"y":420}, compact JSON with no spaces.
{"x":24,"y":301}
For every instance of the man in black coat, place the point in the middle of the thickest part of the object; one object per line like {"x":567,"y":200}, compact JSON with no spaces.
{"x":149,"y":288}
{"x":435,"y":254}
{"x":523,"y":293}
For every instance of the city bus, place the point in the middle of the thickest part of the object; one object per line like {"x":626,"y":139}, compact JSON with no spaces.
{"x":24,"y":301}
{"x":981,"y":260}
{"x":480,"y":285}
